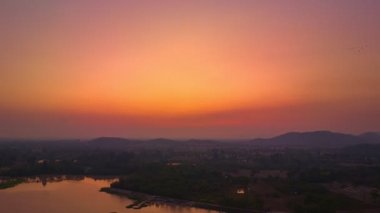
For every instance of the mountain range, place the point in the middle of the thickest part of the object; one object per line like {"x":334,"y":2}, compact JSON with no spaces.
{"x":315,"y":139}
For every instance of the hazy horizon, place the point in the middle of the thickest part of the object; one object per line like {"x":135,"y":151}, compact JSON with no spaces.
{"x":176,"y":138}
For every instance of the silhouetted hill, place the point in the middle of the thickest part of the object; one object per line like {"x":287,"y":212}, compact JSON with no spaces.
{"x":162,"y":142}
{"x":363,"y":149}
{"x":325,"y":139}
{"x":117,"y":143}
{"x":110,"y":141}
{"x":371,"y":137}
{"x":317,"y":139}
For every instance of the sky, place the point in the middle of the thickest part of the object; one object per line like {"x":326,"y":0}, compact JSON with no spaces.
{"x":188,"y":69}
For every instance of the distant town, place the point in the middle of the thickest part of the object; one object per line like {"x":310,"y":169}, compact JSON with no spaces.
{"x":296,"y":172}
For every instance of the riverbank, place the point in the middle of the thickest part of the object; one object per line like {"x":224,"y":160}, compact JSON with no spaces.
{"x":5,"y":184}
{"x":143,"y":200}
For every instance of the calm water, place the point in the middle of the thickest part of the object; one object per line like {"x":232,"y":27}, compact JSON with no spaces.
{"x":74,"y":196}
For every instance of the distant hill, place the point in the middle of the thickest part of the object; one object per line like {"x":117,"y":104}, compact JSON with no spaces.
{"x":115,"y":143}
{"x":325,"y":139}
{"x":110,"y":141}
{"x":371,"y":137}
{"x":316,"y":139}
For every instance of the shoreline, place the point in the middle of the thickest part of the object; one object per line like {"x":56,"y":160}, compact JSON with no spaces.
{"x":6,"y":184}
{"x":142,"y":200}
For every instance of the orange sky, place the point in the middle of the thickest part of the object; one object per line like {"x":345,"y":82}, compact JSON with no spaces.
{"x":188,"y":69}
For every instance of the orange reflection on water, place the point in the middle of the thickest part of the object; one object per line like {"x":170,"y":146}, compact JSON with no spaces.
{"x":75,"y":195}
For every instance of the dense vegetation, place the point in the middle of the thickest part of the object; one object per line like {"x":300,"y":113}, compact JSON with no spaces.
{"x":300,"y":180}
{"x":9,"y":183}
{"x":190,"y":182}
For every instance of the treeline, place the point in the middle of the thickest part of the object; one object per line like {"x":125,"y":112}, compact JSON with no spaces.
{"x":211,"y":174}
{"x":190,"y":182}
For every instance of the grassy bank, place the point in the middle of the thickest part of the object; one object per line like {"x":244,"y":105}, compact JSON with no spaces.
{"x":10,"y":183}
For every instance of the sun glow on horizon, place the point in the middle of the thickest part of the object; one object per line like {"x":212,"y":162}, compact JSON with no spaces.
{"x":236,"y":67}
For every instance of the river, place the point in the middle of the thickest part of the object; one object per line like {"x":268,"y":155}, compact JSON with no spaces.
{"x":74,"y":195}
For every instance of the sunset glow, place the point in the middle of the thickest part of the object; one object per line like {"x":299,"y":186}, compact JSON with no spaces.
{"x":188,"y":68}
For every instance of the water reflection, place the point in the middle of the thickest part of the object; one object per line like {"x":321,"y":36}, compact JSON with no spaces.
{"x":100,"y":181}
{"x":76,"y":194}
